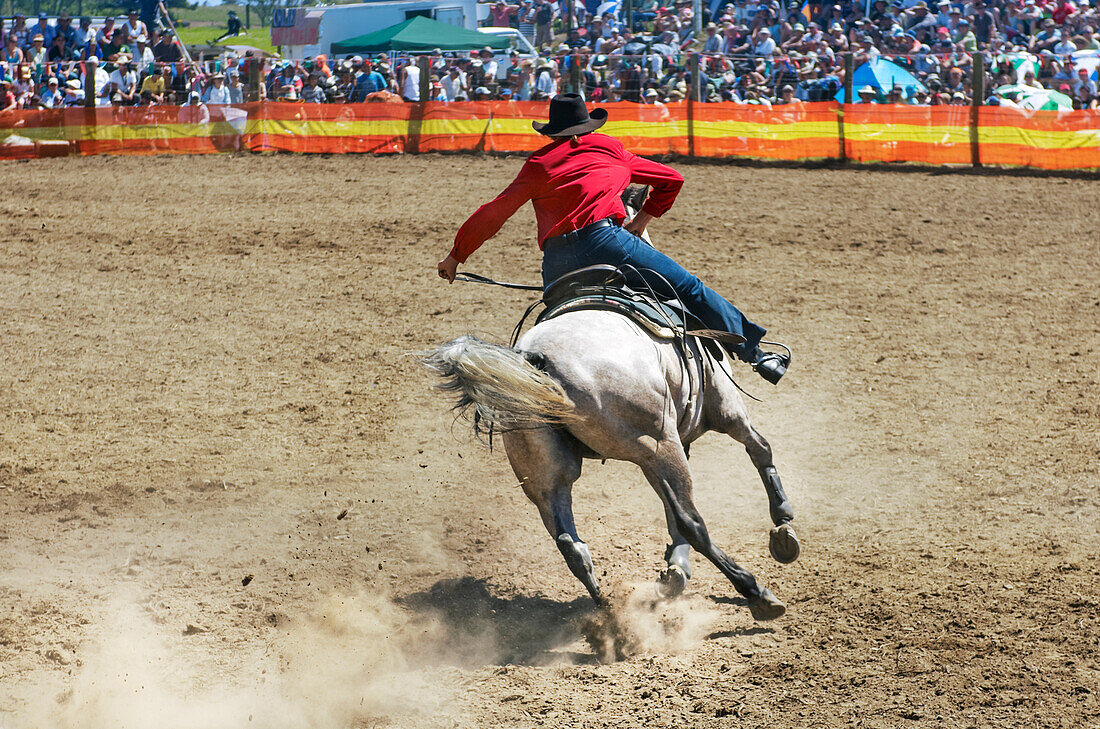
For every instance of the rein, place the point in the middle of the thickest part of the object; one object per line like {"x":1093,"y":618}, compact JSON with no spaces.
{"x":475,"y":278}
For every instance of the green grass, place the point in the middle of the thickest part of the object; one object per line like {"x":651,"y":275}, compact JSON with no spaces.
{"x":209,"y":14}
{"x":259,"y":37}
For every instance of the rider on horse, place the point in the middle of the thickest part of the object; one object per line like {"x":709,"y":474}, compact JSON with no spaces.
{"x":575,"y":183}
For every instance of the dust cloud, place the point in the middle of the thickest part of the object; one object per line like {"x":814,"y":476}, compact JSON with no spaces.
{"x":352,"y":661}
{"x":639,"y":622}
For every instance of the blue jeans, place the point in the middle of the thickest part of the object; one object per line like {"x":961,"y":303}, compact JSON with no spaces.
{"x":613,"y":245}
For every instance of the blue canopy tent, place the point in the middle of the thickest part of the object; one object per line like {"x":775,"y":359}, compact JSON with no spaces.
{"x":882,"y":76}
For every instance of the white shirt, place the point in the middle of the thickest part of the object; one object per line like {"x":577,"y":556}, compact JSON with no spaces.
{"x":765,"y":47}
{"x":123,"y":81}
{"x":135,"y":30}
{"x":214,"y":95}
{"x":146,"y":57}
{"x":410,"y":89}
{"x":545,"y":84}
{"x":102,"y":80}
{"x":453,"y":87}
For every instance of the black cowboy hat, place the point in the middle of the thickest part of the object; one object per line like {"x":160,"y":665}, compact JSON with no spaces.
{"x":569,"y":116}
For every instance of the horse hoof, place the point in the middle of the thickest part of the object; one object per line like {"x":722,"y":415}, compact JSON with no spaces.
{"x":671,"y":582}
{"x":783,"y":544}
{"x":766,"y":606}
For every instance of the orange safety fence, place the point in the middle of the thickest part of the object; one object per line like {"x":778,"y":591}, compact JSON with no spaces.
{"x":933,"y":135}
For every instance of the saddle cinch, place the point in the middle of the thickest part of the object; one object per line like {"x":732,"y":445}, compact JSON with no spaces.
{"x":604,"y":287}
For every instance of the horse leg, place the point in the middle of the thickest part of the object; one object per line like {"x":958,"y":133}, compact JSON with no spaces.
{"x":782,"y":540}
{"x":547,"y":462}
{"x":668,"y":473}
{"x":673,"y":578}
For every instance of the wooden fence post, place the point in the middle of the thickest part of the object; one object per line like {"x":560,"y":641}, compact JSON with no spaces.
{"x":575,"y":76}
{"x":255,"y":73}
{"x":425,"y":67}
{"x":849,"y":71}
{"x":977,"y":88}
{"x":694,"y":97}
{"x":89,"y":85}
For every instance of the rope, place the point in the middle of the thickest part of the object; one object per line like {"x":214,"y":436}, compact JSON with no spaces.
{"x":475,"y":278}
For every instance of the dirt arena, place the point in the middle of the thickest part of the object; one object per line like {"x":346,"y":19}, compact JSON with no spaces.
{"x":229,"y":496}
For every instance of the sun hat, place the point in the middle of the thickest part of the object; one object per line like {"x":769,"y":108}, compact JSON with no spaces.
{"x":569,"y":116}
{"x":72,"y":84}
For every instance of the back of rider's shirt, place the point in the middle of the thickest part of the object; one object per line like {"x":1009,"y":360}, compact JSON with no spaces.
{"x":571,"y":184}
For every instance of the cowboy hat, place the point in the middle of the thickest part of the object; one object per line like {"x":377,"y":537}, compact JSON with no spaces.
{"x":569,"y":116}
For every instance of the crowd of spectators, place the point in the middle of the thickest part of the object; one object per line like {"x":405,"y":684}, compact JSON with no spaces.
{"x":750,"y":52}
{"x":770,"y":52}
{"x":54,"y":63}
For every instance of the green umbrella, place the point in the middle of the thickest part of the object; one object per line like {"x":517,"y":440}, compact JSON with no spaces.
{"x":1034,"y":99}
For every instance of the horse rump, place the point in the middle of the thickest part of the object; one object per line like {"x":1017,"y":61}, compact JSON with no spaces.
{"x":500,"y":389}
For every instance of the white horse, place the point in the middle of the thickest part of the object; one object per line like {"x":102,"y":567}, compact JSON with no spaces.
{"x":594,"y":384}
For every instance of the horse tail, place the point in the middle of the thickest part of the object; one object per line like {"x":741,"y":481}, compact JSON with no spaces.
{"x":502,"y":386}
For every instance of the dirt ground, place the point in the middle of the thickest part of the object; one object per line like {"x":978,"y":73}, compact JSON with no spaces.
{"x":229,"y":496}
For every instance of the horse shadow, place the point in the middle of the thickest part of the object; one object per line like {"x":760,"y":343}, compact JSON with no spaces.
{"x":479,"y":627}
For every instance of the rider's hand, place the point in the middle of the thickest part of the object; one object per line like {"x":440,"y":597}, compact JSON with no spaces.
{"x":638,"y":224}
{"x":447,"y":268}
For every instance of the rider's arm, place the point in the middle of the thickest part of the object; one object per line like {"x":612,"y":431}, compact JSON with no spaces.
{"x":485,"y":223}
{"x":665,"y":181}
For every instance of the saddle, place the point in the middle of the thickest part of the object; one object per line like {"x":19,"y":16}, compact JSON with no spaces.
{"x":604,"y":287}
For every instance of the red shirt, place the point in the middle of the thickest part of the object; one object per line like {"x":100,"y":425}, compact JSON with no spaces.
{"x":571,"y":184}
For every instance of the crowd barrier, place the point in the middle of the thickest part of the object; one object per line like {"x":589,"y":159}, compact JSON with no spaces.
{"x":932,"y":135}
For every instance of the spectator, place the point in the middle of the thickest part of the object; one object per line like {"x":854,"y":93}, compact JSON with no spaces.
{"x":101,"y":81}
{"x":13,"y":54}
{"x":143,"y":54}
{"x":409,"y":81}
{"x":236,"y":88}
{"x":133,"y":27}
{"x":544,"y":18}
{"x":58,"y":52}
{"x":36,"y":54}
{"x":74,"y":94}
{"x":51,"y":97}
{"x":367,"y":82}
{"x":8,"y":102}
{"x":44,"y":29}
{"x":20,"y":30}
{"x":83,"y":34}
{"x":312,"y":92}
{"x":218,"y":92}
{"x":166,"y":50}
{"x":194,"y":112}
{"x":454,"y":85}
{"x":501,"y":13}
{"x":103,"y":35}
{"x":124,"y":82}
{"x":154,"y":85}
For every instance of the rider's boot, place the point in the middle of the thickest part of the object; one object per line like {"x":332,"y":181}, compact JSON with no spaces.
{"x":769,"y":365}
